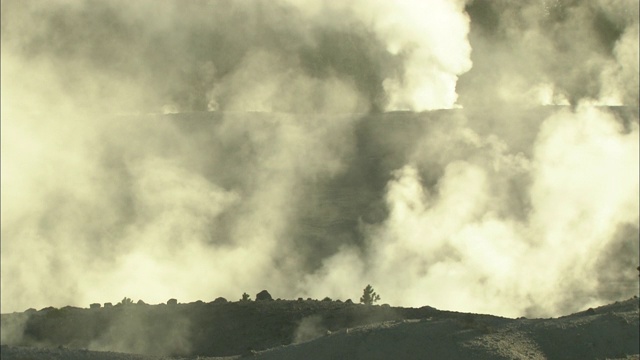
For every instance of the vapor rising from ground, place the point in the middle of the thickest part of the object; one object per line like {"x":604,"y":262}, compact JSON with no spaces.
{"x":296,"y":176}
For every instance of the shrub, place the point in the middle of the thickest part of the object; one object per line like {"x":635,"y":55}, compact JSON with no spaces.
{"x":263,"y":295}
{"x":126,"y":301}
{"x":246,"y":297}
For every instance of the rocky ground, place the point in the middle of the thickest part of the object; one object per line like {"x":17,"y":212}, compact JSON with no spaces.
{"x":313,"y":329}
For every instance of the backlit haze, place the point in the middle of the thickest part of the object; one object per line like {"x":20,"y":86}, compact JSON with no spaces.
{"x":478,"y":156}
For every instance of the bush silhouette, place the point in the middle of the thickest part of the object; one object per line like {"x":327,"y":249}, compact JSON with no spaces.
{"x":263,"y":296}
{"x":369,"y":296}
{"x":246,"y":297}
{"x":126,"y":301}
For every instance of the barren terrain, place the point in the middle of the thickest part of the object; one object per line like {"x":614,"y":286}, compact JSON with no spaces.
{"x":311,"y":329}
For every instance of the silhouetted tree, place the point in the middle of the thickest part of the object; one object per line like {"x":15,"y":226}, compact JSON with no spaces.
{"x":246,"y":297}
{"x":126,"y":301}
{"x":369,"y":296}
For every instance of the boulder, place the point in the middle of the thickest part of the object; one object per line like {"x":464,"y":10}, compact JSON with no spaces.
{"x":220,"y":300}
{"x":263,"y":295}
{"x":172,"y":302}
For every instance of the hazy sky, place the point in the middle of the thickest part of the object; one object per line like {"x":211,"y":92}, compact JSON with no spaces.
{"x":475,"y":156}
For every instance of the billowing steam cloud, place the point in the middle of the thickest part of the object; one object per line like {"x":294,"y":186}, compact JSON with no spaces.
{"x":161,"y":149}
{"x":553,"y":52}
{"x":466,"y":239}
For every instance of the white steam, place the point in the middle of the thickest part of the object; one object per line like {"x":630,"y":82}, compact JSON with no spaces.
{"x":292,"y":182}
{"x":571,"y":50}
{"x":456,"y":246}
{"x":411,"y":30}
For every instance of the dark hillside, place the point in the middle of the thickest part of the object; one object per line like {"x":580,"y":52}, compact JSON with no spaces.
{"x":313,"y":329}
{"x":212,"y":329}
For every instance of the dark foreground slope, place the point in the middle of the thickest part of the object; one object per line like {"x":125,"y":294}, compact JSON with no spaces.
{"x":216,"y":328}
{"x":609,"y":332}
{"x":326,"y":330}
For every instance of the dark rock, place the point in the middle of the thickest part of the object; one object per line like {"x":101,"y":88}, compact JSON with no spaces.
{"x":220,"y":300}
{"x":94,"y":306}
{"x":300,"y":299}
{"x":327,"y":299}
{"x":263,"y":295}
{"x":348,"y":301}
{"x":108,"y":305}
{"x":172,"y":302}
{"x":140,"y":302}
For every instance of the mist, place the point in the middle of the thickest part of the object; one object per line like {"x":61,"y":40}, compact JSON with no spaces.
{"x":478,"y":156}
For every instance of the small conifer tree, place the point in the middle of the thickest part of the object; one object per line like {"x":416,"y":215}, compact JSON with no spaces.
{"x":369,"y":296}
{"x":246,"y":297}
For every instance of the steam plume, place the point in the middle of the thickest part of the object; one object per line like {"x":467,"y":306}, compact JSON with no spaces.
{"x":198,"y":149}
